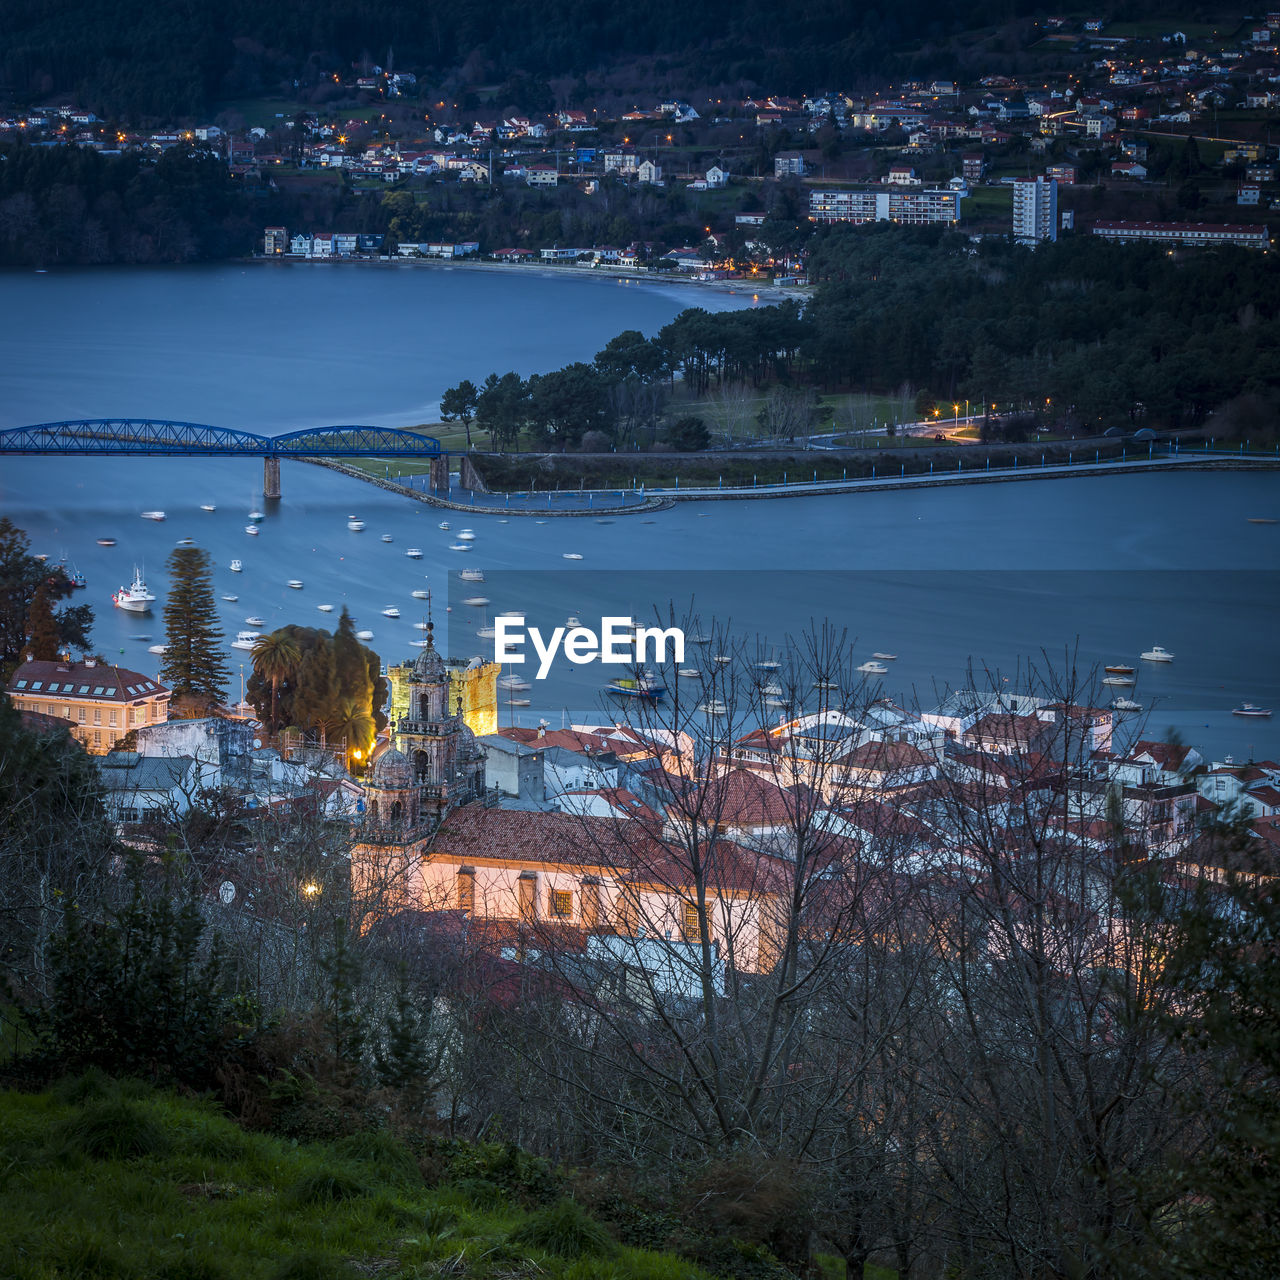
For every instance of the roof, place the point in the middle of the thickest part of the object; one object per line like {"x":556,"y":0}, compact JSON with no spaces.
{"x":887,"y":755}
{"x":1165,"y":754}
{"x":74,"y":681}
{"x":1182,"y":227}
{"x":128,"y":771}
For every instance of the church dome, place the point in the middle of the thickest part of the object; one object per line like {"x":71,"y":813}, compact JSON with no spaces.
{"x":392,"y":771}
{"x":468,"y":747}
{"x":428,"y":667}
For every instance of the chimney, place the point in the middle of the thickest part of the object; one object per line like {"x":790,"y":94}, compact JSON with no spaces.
{"x":527,"y":896}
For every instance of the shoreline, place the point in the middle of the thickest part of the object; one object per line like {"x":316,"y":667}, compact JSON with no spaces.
{"x":664,"y":499}
{"x":763,"y":292}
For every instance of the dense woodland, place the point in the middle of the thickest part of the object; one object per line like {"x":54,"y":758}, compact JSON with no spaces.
{"x":131,"y":60}
{"x":1087,"y":334}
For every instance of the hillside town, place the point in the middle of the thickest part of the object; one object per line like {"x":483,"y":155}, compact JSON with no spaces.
{"x":1134,"y":135}
{"x":588,"y":830}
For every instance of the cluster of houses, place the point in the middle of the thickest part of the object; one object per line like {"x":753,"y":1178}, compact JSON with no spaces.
{"x":582,"y":831}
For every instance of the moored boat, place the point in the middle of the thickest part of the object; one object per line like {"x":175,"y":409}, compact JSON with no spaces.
{"x":157,"y":648}
{"x":1122,"y":681}
{"x":386,"y":537}
{"x":134,"y":598}
{"x":106,"y":542}
{"x":572,"y":555}
{"x":414,"y":553}
{"x":391,"y":612}
{"x":254,"y":621}
{"x":325,"y":608}
{"x":1248,"y":710}
{"x":471,"y":575}
{"x":1119,"y":669}
{"x":245,"y":639}
{"x":713,"y":707}
{"x":355,"y":525}
{"x":1157,"y":653}
{"x":467,"y":535}
{"x":236,"y":566}
{"x":208,"y":506}
{"x":295,"y":583}
{"x":251,"y":529}
{"x":231,"y":599}
{"x":1125,"y":704}
{"x":873,"y":668}
{"x":886,"y":657}
{"x":153,"y":515}
{"x":364,"y":635}
{"x":424,"y":595}
{"x":257,"y":516}
{"x":644,"y":686}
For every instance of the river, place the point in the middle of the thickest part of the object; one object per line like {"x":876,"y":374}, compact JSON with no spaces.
{"x":990,"y":576}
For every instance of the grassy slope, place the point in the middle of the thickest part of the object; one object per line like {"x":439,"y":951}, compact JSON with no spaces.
{"x":197,"y":1197}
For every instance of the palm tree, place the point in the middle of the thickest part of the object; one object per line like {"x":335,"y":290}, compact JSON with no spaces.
{"x":275,"y":658}
{"x":355,"y":723}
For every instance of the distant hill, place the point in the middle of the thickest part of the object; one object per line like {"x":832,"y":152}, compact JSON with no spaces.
{"x":134,"y":59}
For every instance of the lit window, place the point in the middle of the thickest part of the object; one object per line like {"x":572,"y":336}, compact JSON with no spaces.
{"x":112,"y":720}
{"x":691,"y":920}
{"x":561,"y":903}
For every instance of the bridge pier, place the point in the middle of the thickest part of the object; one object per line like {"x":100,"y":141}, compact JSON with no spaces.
{"x":440,"y":474}
{"x":271,"y":477}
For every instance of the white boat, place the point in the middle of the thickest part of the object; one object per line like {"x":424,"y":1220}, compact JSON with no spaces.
{"x":873,"y":668}
{"x":134,"y":598}
{"x":1248,"y":710}
{"x":420,"y":644}
{"x":153,"y":515}
{"x":722,"y":659}
{"x":186,"y":542}
{"x":572,"y":555}
{"x":460,"y":546}
{"x":207,"y":506}
{"x":776,"y":702}
{"x":245,"y":639}
{"x":364,"y":635}
{"x":487,"y":632}
{"x":295,"y":583}
{"x":251,"y":529}
{"x":1123,"y":682}
{"x":476,"y":602}
{"x":514,"y":683}
{"x":768,"y":664}
{"x":472,"y":575}
{"x":573,"y":621}
{"x":444,"y":524}
{"x":1120,"y":669}
{"x":254,"y":621}
{"x":424,"y":595}
{"x":1125,"y":704}
{"x":414,"y":553}
{"x":771,"y":689}
{"x":391,"y":612}
{"x":423,"y":626}
{"x":688,"y":673}
{"x":106,"y":542}
{"x":467,"y":535}
{"x":231,"y":599}
{"x":355,"y":525}
{"x":886,"y":657}
{"x":325,"y":608}
{"x":236,"y":566}
{"x":1157,"y":653}
{"x":826,"y":685}
{"x":386,"y":537}
{"x":157,"y":648}
{"x":257,"y":516}
{"x":713,"y":708}
{"x":699,"y":639}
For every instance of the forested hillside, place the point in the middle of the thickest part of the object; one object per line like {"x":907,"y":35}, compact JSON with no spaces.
{"x":130,"y":59}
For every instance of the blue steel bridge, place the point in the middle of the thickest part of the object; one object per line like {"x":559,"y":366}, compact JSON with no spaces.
{"x":147,"y":437}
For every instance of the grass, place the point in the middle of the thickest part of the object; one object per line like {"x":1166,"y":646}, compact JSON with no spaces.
{"x":108,"y":1179}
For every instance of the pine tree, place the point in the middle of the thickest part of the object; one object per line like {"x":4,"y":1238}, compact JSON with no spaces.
{"x":194,"y":666}
{"x":42,"y":629}
{"x":402,"y":1061}
{"x":349,"y":663}
{"x":344,"y":1018}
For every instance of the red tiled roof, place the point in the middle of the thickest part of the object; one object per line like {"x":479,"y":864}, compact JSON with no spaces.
{"x":75,"y":680}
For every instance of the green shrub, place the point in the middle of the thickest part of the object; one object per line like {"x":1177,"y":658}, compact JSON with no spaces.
{"x":112,"y":1129}
{"x":480,"y":1193}
{"x":382,"y":1154}
{"x":529,"y":1179}
{"x":565,"y":1230}
{"x":328,"y":1186}
{"x":733,"y":1259}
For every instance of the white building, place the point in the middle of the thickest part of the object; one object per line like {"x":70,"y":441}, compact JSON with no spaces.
{"x":911,"y":206}
{"x":1035,"y":210}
